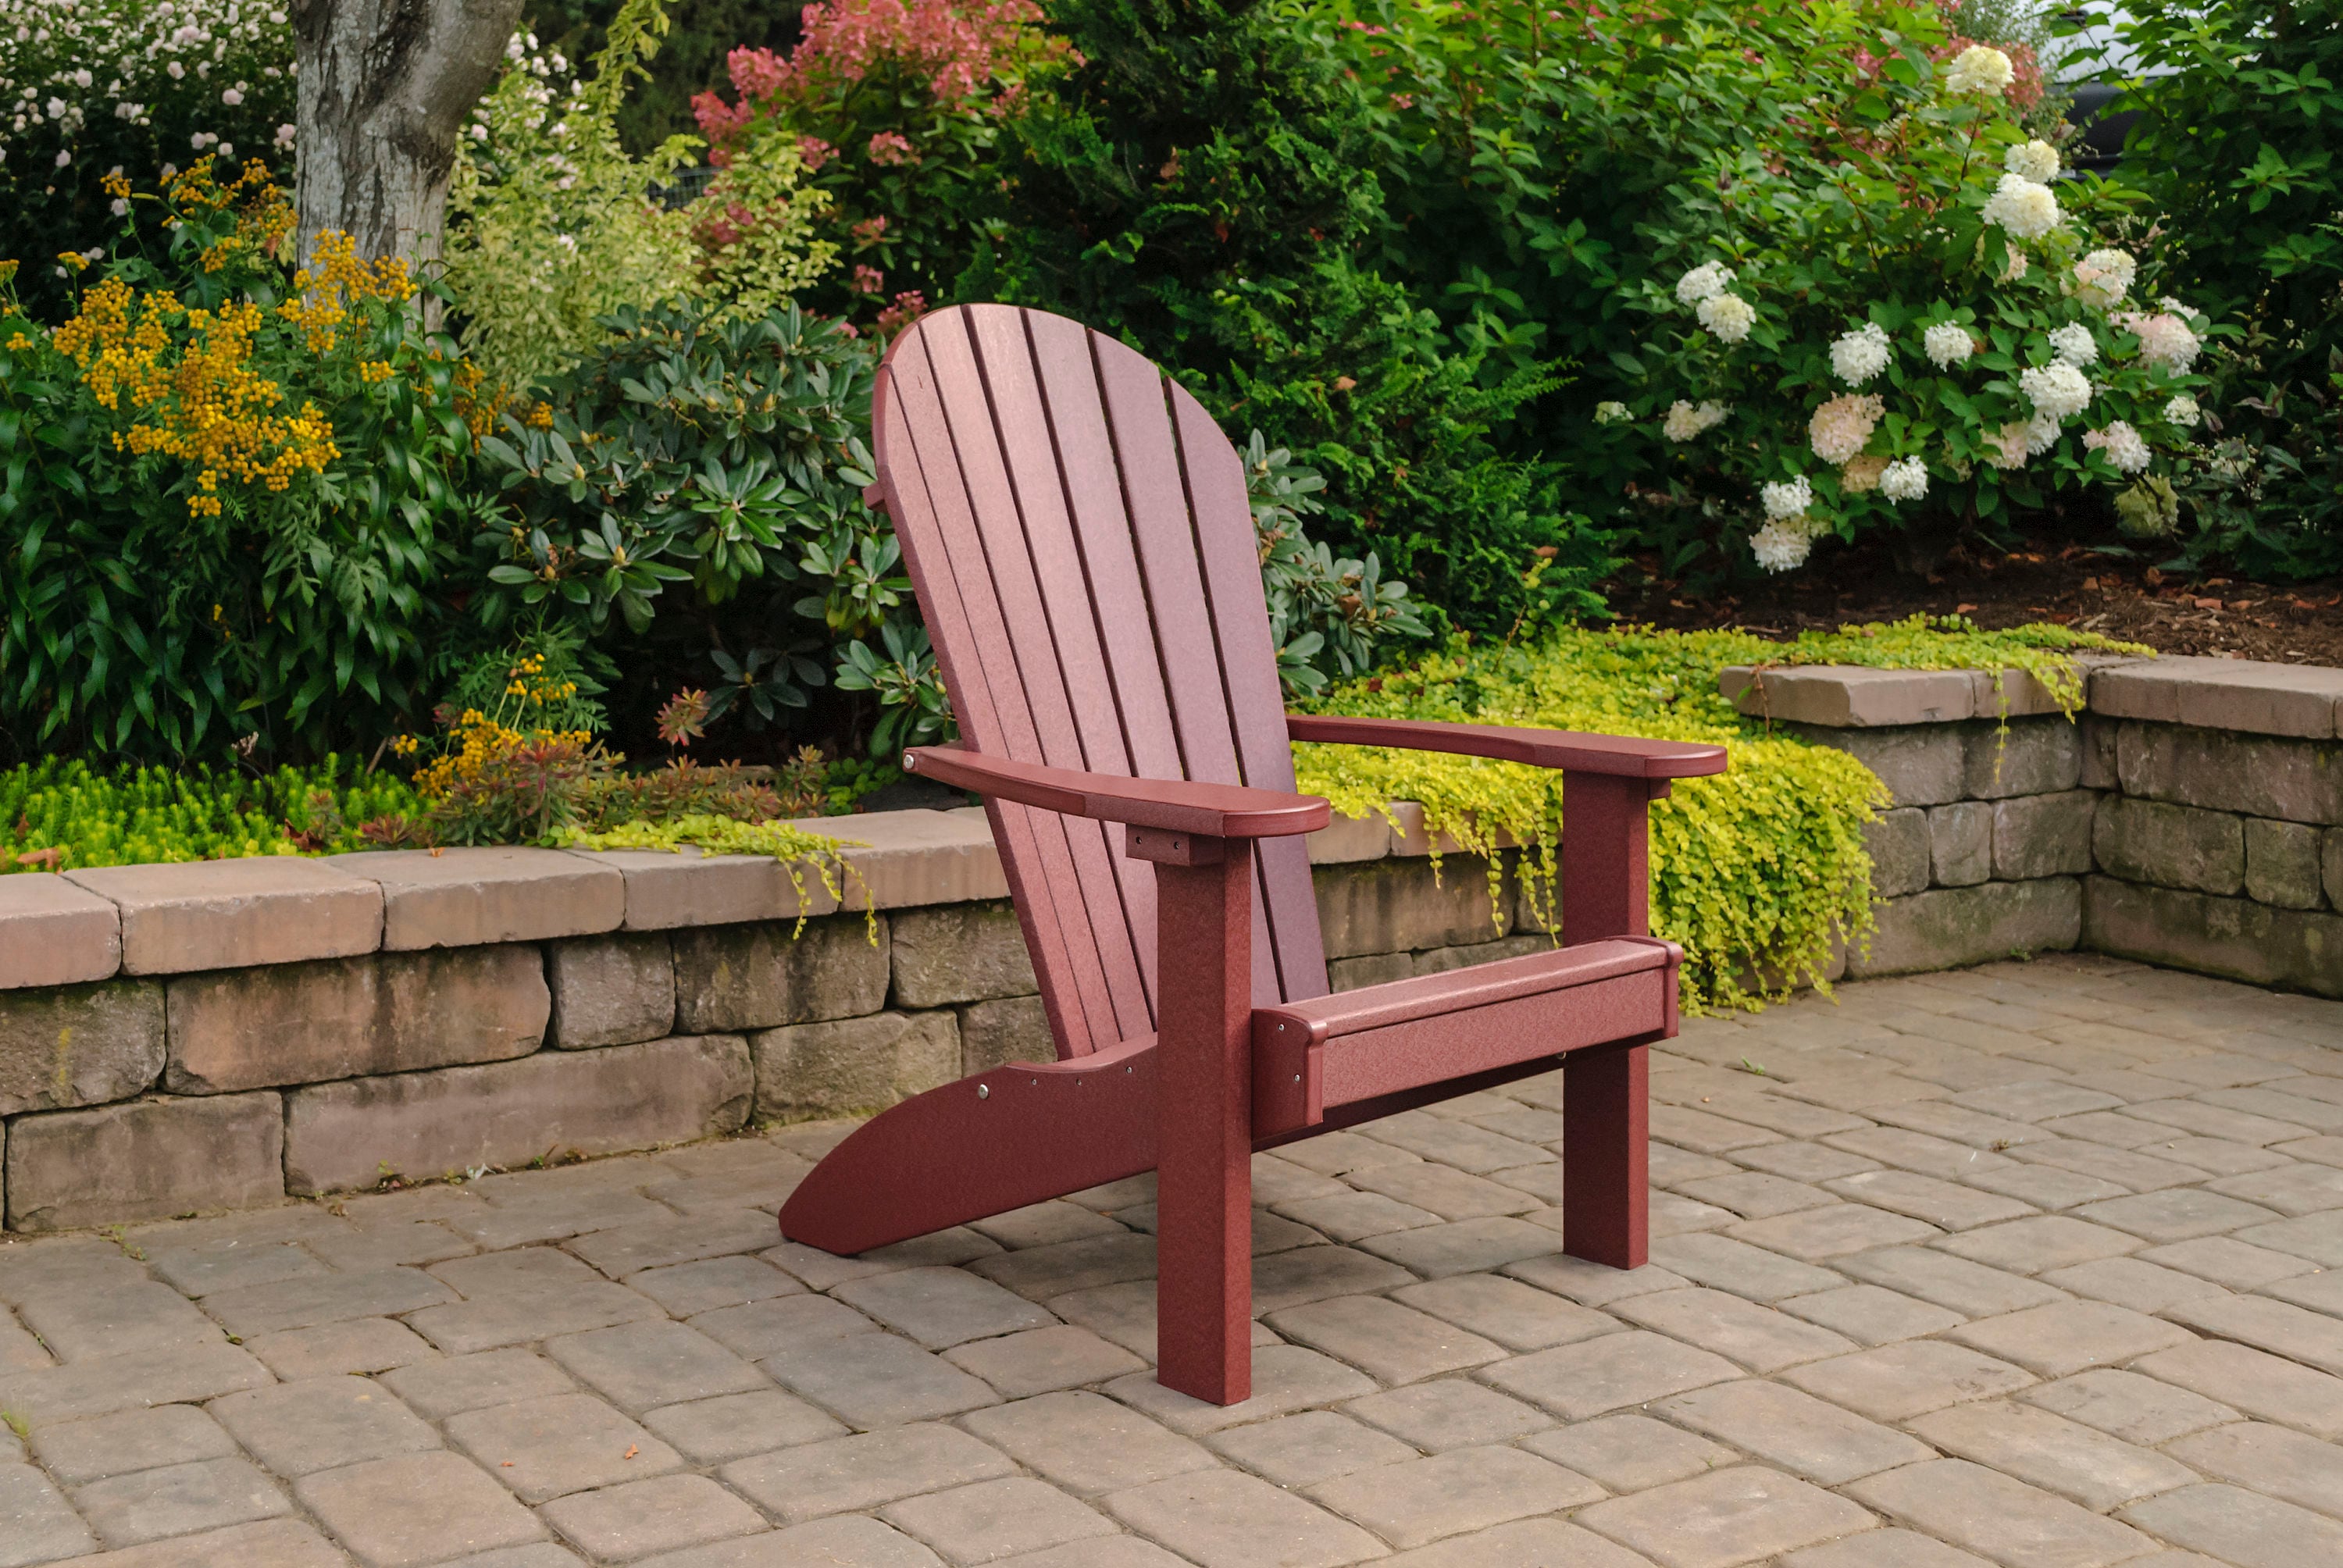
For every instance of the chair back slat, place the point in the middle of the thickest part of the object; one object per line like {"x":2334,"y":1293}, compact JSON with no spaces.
{"x":1078,"y":532}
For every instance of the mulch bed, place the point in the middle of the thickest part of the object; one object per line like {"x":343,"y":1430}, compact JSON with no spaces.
{"x":2290,"y":623}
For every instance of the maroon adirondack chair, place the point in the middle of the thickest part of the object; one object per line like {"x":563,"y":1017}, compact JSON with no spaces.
{"x":1078,"y":532}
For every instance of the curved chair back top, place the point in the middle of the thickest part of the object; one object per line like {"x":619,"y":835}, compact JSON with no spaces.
{"x":1078,"y":532}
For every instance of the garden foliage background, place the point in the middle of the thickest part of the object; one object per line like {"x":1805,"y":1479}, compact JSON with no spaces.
{"x":1501,"y":295}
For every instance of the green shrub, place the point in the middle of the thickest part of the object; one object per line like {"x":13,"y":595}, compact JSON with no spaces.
{"x":2239,"y":144}
{"x":232,"y":495}
{"x":1199,"y":181}
{"x":1760,"y":872}
{"x":64,"y":815}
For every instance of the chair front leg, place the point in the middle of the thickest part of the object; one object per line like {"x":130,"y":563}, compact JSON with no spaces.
{"x":1203,"y":1231}
{"x":1606,"y":1092}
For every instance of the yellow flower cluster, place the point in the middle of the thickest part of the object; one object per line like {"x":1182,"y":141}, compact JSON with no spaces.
{"x":335,"y":280}
{"x":211,"y":408}
{"x":526,"y":683}
{"x":264,"y":212}
{"x":482,"y":743}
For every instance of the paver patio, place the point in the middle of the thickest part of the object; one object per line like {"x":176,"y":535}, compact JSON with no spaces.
{"x":2024,"y":1265}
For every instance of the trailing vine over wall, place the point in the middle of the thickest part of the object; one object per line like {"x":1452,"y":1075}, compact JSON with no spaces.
{"x":1760,"y":872}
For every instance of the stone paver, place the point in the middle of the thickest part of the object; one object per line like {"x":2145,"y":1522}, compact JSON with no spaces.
{"x":2034,"y":1266}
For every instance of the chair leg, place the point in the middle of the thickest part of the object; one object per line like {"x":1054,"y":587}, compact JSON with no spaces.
{"x":1605,"y":1158}
{"x":1203,"y":1314}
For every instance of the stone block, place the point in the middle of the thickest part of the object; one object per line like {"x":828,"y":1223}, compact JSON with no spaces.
{"x":345,"y":1018}
{"x":1921,"y":764}
{"x":147,"y":1160}
{"x":1898,"y":843}
{"x":2282,"y":863}
{"x":2030,"y":757}
{"x":1842,"y":697}
{"x":959,"y":952}
{"x":2043,"y":835}
{"x":1374,"y":969}
{"x":343,"y":1135}
{"x":855,"y":1064}
{"x":506,"y":893}
{"x":2333,"y":861}
{"x":228,"y":914}
{"x":768,"y":974}
{"x":1348,"y":840}
{"x":2223,"y":694}
{"x":1945,"y":928}
{"x":55,"y":933}
{"x":1402,"y":905}
{"x":78,"y":1045}
{"x":2237,"y":937}
{"x":2172,"y":846}
{"x":2260,"y":775}
{"x":1960,"y":844}
{"x":614,"y":990}
{"x":1011,"y":1029}
{"x":665,"y":891}
{"x":2099,"y":751}
{"x":903,"y":859}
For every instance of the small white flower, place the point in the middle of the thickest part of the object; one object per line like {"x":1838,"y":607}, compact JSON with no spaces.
{"x":175,"y":71}
{"x":228,"y":149}
{"x":1685,"y":421}
{"x":1786,"y":500}
{"x":2183,"y":411}
{"x":2074,"y":345}
{"x":2036,"y":160}
{"x":479,"y":133}
{"x":1705,"y":281}
{"x":118,"y":207}
{"x":2102,"y":278}
{"x":82,"y":79}
{"x":285,"y":135}
{"x":1780,"y":548}
{"x":2023,"y":208}
{"x":2122,"y":446}
{"x":1906,"y":480}
{"x":2041,"y":434}
{"x":1947,"y":343}
{"x":231,"y":98}
{"x":1979,"y":69}
{"x":1610,"y":413}
{"x":2057,"y":391}
{"x":1856,"y":357}
{"x":57,"y":107}
{"x":65,"y":158}
{"x":1728,"y":316}
{"x":2016,"y":268}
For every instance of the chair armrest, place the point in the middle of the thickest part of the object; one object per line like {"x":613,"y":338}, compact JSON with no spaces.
{"x":1567,"y":749}
{"x":1170,"y":805}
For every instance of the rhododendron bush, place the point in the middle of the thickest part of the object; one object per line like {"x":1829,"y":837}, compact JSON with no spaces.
{"x":1901,"y":314}
{"x":889,"y":111}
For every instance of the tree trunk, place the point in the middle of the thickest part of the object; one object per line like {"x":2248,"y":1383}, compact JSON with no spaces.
{"x":384,"y":87}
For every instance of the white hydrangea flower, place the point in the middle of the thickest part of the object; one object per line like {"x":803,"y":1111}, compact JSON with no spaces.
{"x":1856,"y":357}
{"x":1787,"y":500}
{"x":2023,"y":208}
{"x":2165,"y":340}
{"x":2058,"y":391}
{"x":2104,"y":276}
{"x":1779,"y":547}
{"x":1728,"y":316}
{"x":1705,"y":281}
{"x":1979,"y":69}
{"x":1685,"y":421}
{"x":2011,"y":446}
{"x":2041,"y":434}
{"x":2074,"y":345}
{"x":232,"y":97}
{"x":1839,"y":429}
{"x":2038,"y":161}
{"x":2183,"y":411}
{"x":2122,"y":446}
{"x":1906,"y":480}
{"x":1947,"y":343}
{"x":2016,"y":269}
{"x":1610,"y":413}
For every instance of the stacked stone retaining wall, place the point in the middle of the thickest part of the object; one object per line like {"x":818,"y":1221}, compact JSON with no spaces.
{"x":176,"y":1038}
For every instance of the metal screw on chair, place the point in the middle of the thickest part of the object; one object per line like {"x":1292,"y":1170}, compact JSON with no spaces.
{"x":984,"y":1091}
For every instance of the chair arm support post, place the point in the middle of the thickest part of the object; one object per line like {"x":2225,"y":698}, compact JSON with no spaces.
{"x":1606,"y":855}
{"x":1204,"y":1142}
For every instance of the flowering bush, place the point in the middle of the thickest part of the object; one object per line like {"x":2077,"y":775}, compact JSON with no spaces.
{"x":94,"y":87}
{"x":551,"y":224}
{"x":235,"y":491}
{"x":1896,"y":318}
{"x":891,"y":108}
